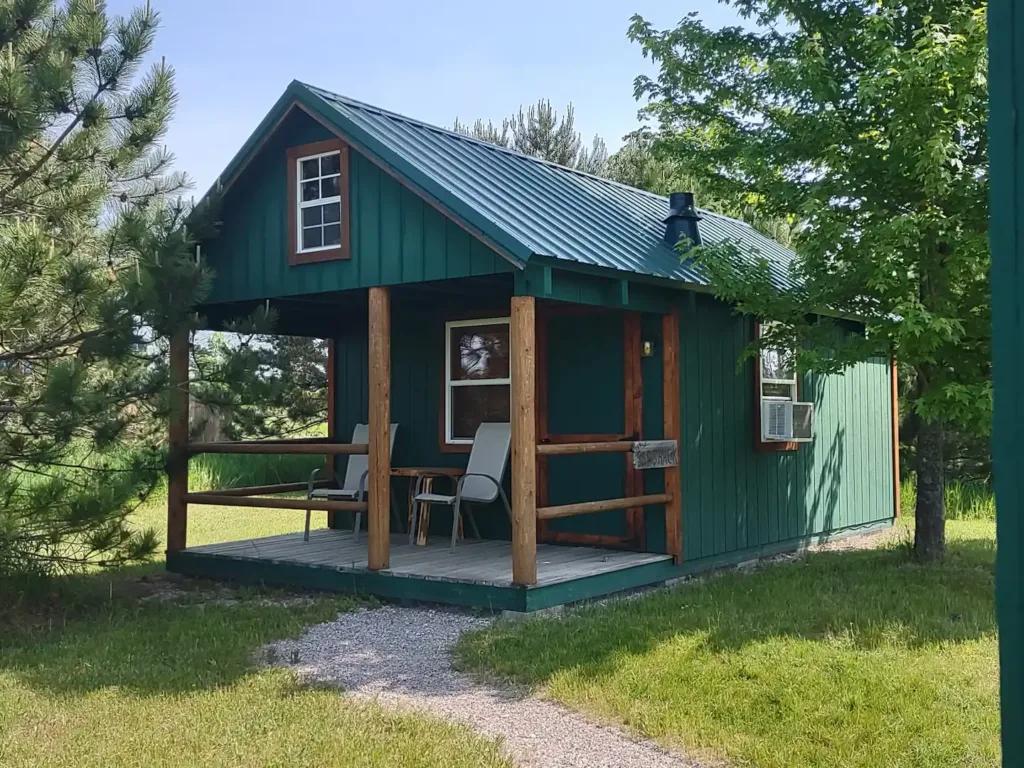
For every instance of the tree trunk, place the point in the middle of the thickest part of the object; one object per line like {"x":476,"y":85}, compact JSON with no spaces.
{"x":930,"y":524}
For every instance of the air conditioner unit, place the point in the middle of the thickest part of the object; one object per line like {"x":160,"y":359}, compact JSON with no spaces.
{"x":786,"y":421}
{"x":803,"y":422}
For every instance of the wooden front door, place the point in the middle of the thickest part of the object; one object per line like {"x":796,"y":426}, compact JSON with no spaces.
{"x":589,"y":389}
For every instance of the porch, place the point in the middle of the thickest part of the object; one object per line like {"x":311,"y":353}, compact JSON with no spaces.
{"x":478,"y":572}
{"x":586,"y":519}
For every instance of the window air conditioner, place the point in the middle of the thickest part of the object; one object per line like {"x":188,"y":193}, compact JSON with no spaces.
{"x":784,"y":420}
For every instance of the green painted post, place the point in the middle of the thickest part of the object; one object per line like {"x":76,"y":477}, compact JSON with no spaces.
{"x":1006,"y":211}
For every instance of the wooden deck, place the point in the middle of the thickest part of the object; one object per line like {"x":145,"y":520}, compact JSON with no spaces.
{"x":475,"y":562}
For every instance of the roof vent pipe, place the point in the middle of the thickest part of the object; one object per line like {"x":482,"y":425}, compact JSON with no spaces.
{"x":682,"y":219}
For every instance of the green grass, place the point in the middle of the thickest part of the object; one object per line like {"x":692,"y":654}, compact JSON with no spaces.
{"x":120,"y":681}
{"x":859,"y":658}
{"x":93,"y":674}
{"x":212,"y":524}
{"x":965,"y":500}
{"x":209,"y":471}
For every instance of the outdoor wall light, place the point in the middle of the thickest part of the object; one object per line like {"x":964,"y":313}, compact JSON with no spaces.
{"x":647,"y":348}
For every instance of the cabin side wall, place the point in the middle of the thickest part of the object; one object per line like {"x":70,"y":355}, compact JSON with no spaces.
{"x":738,"y":502}
{"x":396,"y":237}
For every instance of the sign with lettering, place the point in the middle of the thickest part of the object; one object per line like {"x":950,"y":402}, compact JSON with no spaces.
{"x":655,"y":454}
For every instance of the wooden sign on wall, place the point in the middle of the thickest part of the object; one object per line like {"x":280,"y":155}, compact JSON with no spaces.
{"x":655,"y":454}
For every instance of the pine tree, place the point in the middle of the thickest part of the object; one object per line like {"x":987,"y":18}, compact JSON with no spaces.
{"x":539,"y":131}
{"x":96,"y":269}
{"x":484,"y":131}
{"x":594,"y":160}
{"x":265,"y":385}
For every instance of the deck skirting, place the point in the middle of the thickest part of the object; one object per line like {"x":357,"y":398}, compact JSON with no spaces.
{"x":478,"y":574}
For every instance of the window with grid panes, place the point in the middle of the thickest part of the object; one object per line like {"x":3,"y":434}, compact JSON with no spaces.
{"x":319,"y":202}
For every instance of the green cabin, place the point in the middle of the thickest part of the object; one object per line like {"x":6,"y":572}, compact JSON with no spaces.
{"x":412,"y":248}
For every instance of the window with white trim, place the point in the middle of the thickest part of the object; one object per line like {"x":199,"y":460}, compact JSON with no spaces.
{"x":778,"y":374}
{"x":777,"y":383}
{"x":478,"y":385}
{"x":319,"y":202}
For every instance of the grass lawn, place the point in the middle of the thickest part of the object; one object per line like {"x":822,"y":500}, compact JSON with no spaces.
{"x":858,"y":658}
{"x":211,"y":524}
{"x":106,"y":678}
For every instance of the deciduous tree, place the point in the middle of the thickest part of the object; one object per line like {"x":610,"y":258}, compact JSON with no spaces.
{"x":866,"y":121}
{"x":643,"y":164}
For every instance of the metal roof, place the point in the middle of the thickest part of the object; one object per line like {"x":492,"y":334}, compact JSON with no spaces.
{"x":531,"y":206}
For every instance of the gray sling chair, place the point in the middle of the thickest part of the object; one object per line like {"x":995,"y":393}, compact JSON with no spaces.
{"x":354,"y":487}
{"x":480,"y":485}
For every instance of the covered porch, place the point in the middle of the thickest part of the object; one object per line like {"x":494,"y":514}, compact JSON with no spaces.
{"x":538,"y":560}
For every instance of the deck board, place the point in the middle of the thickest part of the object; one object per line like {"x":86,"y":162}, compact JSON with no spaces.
{"x":473,"y":561}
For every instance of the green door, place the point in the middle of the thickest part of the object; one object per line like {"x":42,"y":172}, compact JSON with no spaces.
{"x":584,"y":353}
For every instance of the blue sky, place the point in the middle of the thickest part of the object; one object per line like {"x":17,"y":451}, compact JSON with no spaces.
{"x":432,"y":59}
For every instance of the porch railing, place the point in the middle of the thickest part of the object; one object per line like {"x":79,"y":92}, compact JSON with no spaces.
{"x":603,"y":505}
{"x":252,"y":496}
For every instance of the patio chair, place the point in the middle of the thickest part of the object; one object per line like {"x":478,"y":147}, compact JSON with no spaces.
{"x":480,"y":485}
{"x":354,"y":487}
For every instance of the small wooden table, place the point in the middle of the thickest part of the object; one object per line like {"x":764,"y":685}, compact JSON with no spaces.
{"x":428,"y":474}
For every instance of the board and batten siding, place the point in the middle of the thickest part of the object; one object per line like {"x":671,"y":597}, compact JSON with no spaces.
{"x":736,"y":499}
{"x":736,"y":502}
{"x":396,"y":236}
{"x":417,"y":392}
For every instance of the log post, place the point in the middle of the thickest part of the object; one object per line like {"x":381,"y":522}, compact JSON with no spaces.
{"x":378,"y":483}
{"x":331,"y":357}
{"x":177,"y":442}
{"x":524,"y":440}
{"x":672,"y":430}
{"x":331,"y":461}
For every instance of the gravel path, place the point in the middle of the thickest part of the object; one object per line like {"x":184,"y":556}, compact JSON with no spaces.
{"x":399,"y":657}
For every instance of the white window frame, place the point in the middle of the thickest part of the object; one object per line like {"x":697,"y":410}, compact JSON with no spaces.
{"x":319,"y":202}
{"x":450,"y":384}
{"x":791,"y":382}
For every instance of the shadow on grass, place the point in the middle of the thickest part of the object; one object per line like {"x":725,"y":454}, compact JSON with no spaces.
{"x":862,"y":599}
{"x":133,"y":630}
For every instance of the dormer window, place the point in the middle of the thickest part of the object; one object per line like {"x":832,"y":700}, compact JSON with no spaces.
{"x":318,"y":202}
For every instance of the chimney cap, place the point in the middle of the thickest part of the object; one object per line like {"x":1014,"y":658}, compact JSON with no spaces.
{"x":682,"y":219}
{"x":681,"y":204}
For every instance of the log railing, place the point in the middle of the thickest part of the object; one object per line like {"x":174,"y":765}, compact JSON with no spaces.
{"x":252,"y":496}
{"x":218,"y":499}
{"x":564,"y":449}
{"x":603,"y":505}
{"x":280,"y":447}
{"x":264,"y":490}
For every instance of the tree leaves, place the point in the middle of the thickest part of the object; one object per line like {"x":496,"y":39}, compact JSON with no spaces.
{"x":865,"y":125}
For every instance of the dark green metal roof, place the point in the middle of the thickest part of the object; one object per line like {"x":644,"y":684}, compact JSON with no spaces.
{"x":525,"y":205}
